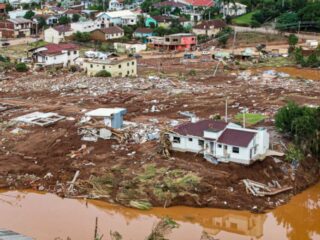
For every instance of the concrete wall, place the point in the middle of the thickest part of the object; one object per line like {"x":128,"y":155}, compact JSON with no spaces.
{"x":63,"y":59}
{"x":53,"y":36}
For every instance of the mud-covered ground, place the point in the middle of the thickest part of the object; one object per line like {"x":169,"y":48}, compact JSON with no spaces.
{"x":41,"y":157}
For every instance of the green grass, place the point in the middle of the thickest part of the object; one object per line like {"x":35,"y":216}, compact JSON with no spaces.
{"x":251,"y":118}
{"x":244,"y":20}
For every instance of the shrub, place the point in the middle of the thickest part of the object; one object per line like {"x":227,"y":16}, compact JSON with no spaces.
{"x":21,"y":67}
{"x":103,"y":73}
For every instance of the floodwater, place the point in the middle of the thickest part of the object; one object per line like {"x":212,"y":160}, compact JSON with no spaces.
{"x":305,"y":73}
{"x":46,"y":216}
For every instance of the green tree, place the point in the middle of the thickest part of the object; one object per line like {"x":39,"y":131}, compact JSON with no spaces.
{"x":103,"y":73}
{"x":29,"y":14}
{"x":293,"y":40}
{"x":224,"y":35}
{"x":287,"y":21}
{"x":75,"y":17}
{"x":81,"y":36}
{"x":64,"y":20}
{"x":21,"y":67}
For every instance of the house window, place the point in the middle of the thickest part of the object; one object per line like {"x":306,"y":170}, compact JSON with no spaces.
{"x":91,"y":65}
{"x":128,"y":72}
{"x":68,"y":53}
{"x":104,"y":67}
{"x":190,"y":139}
{"x":132,"y":63}
{"x":119,"y":66}
{"x":201,"y":143}
{"x":219,"y":146}
{"x":176,"y":139}
{"x":235,"y":150}
{"x":75,"y":52}
{"x":128,"y":64}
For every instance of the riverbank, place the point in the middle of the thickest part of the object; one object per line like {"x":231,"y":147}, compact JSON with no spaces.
{"x":54,"y":217}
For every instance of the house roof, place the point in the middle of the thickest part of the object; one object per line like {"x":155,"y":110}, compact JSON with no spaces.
{"x":116,"y":14}
{"x":235,"y":137}
{"x":201,"y":3}
{"x":216,"y":23}
{"x":169,"y":4}
{"x":62,"y":28}
{"x":144,"y":30}
{"x":197,"y":129}
{"x":19,"y":20}
{"x":52,"y":48}
{"x":72,"y":11}
{"x":112,"y":30}
{"x":161,"y":18}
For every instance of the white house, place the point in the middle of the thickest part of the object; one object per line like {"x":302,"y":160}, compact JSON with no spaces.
{"x":115,"y":5}
{"x":123,"y":17}
{"x":19,"y":13}
{"x":221,"y":141}
{"x":55,"y":54}
{"x":88,"y":26}
{"x":233,"y":9}
{"x":57,"y":34}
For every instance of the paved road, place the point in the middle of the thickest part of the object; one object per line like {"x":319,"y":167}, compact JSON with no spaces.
{"x":275,"y":32}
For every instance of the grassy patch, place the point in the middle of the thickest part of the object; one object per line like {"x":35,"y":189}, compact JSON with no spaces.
{"x":244,"y":20}
{"x":251,"y":118}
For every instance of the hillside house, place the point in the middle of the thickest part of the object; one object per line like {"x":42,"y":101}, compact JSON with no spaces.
{"x":233,"y":9}
{"x":116,"y":5}
{"x":178,"y":42}
{"x":221,"y":141}
{"x":3,"y":11}
{"x":120,"y":18}
{"x":129,"y":47}
{"x":117,"y":67}
{"x":19,"y":13}
{"x":163,"y":21}
{"x":209,"y":28}
{"x":89,"y":25}
{"x":57,"y":34}
{"x":50,"y":19}
{"x":150,"y":22}
{"x":143,"y":32}
{"x":55,"y":54}
{"x":16,"y":28}
{"x":105,"y":34}
{"x":172,"y":5}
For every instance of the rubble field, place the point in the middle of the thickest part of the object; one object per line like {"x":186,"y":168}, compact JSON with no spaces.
{"x":130,"y":168}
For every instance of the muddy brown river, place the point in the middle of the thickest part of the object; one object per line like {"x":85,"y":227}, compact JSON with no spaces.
{"x":46,"y":216}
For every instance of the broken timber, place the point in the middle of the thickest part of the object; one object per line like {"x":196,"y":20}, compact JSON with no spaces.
{"x":260,"y":190}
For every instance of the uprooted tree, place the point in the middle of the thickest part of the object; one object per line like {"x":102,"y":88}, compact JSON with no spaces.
{"x":302,"y":125}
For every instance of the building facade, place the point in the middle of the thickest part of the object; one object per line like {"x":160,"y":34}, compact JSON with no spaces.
{"x":117,"y":68}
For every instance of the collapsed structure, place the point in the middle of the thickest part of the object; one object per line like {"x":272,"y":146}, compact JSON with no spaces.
{"x":221,"y":141}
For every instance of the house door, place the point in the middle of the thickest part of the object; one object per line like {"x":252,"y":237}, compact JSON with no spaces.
{"x":251,"y":153}
{"x":225,"y":150}
{"x":211,"y":147}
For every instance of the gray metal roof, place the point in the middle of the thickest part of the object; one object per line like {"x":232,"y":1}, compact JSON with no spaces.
{"x":10,"y":235}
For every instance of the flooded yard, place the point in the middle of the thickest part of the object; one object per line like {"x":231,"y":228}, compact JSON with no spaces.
{"x":46,"y":216}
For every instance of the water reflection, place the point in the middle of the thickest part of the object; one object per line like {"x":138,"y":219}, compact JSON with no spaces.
{"x":45,"y":216}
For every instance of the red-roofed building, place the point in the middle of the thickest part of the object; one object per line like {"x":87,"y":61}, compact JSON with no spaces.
{"x":220,"y":141}
{"x":55,"y":54}
{"x":199,"y":3}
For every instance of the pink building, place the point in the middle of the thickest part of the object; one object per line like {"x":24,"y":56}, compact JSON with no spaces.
{"x":178,"y":42}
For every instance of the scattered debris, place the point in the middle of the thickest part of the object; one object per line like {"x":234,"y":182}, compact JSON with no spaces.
{"x":260,"y":190}
{"x":39,"y":118}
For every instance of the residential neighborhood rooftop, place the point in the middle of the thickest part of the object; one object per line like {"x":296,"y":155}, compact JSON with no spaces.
{"x":197,"y":128}
{"x":235,"y":137}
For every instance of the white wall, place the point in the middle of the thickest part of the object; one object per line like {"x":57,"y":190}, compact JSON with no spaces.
{"x":185,"y":144}
{"x":59,"y":59}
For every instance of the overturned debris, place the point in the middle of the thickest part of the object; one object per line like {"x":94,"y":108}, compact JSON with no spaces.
{"x":39,"y":118}
{"x":260,"y":190}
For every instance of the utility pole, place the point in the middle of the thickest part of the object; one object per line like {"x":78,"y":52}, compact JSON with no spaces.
{"x":226,"y":111}
{"x":299,"y":23}
{"x":244,"y":116}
